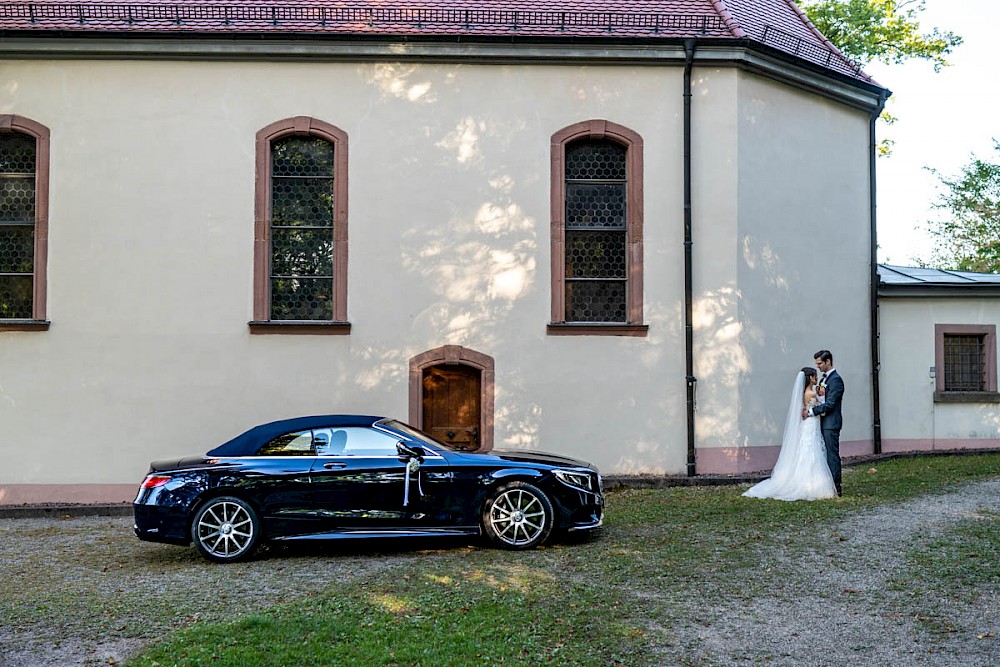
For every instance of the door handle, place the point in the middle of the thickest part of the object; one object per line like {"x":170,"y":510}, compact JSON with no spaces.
{"x":334,"y":465}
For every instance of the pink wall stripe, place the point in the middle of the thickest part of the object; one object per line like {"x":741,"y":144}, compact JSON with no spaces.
{"x":62,"y":494}
{"x":732,"y":460}
{"x":928,"y":445}
{"x":728,"y":460}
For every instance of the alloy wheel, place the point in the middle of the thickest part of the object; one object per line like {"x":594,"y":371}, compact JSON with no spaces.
{"x":226,"y":529}
{"x":518,"y":517}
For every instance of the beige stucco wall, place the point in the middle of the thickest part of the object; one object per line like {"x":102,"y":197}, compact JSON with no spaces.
{"x":151,"y":249}
{"x":790,"y":229}
{"x":910,"y":417}
{"x":150,"y":258}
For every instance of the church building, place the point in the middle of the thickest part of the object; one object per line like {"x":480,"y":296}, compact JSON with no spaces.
{"x":613,"y":230}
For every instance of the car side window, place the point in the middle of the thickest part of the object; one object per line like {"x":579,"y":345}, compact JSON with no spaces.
{"x":298,"y":443}
{"x":329,"y":441}
{"x":354,"y":441}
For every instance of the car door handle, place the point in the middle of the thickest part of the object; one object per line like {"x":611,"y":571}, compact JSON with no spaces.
{"x":334,"y":465}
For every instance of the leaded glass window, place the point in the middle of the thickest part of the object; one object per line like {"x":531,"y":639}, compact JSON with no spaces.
{"x":596,"y":232}
{"x":964,"y":362}
{"x":302,"y":229}
{"x":17,"y":225}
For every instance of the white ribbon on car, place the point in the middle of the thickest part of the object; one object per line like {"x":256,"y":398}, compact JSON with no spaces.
{"x":413,"y":465}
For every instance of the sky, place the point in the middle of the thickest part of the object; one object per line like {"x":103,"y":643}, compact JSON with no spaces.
{"x":944,"y":118}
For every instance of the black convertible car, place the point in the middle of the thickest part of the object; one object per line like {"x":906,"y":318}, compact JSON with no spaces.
{"x":349,"y":476}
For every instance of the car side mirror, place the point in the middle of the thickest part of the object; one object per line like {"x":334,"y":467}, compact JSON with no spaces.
{"x":410,"y":451}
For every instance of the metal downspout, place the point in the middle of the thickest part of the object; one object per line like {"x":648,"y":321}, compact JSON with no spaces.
{"x":873,"y":280}
{"x":692,"y":381}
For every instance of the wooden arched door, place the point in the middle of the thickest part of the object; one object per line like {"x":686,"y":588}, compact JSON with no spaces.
{"x":452,"y":406}
{"x":451,"y":396}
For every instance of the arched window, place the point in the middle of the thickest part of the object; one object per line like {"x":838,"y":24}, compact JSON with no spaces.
{"x":597,"y":231}
{"x":24,"y":222}
{"x":300,"y":246}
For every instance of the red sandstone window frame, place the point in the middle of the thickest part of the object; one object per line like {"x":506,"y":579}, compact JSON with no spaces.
{"x":299,"y":126}
{"x":26,"y":126}
{"x":989,"y":334}
{"x":632,"y":141}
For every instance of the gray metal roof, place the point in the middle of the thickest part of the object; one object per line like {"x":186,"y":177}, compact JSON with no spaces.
{"x":911,"y":281}
{"x":910,"y":275}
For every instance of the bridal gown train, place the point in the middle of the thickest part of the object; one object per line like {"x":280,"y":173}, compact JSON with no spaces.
{"x":801,"y":472}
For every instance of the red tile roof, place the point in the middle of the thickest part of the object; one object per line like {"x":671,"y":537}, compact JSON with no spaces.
{"x":776,"y":23}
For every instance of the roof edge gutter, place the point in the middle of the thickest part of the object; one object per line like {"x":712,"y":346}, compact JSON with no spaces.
{"x":950,"y":291}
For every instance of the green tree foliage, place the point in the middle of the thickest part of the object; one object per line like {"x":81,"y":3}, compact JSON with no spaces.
{"x":967,"y":236}
{"x":884,"y":30}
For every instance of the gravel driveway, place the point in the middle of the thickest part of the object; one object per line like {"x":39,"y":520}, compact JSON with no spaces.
{"x":842,"y":602}
{"x":105,"y":592}
{"x":837,"y":601}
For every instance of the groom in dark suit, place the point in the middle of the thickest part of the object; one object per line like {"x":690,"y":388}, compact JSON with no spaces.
{"x":831,"y":420}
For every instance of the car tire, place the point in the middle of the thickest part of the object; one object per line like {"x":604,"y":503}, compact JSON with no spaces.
{"x":518,"y":516}
{"x":226,"y":529}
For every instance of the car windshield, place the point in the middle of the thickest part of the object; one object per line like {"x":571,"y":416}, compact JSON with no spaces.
{"x":420,"y":436}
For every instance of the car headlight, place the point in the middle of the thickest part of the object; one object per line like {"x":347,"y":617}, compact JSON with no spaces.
{"x":577,"y":480}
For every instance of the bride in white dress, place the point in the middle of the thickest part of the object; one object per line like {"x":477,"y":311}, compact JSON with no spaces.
{"x":801,"y":472}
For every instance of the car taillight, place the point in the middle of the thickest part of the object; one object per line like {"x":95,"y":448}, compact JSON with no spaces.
{"x":153,"y":481}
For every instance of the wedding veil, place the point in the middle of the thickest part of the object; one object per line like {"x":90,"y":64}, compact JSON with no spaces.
{"x":793,"y":425}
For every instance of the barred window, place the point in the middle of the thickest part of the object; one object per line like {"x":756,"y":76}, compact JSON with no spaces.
{"x":300,"y":254}
{"x":597,"y":230}
{"x":965,"y":357}
{"x":596,"y":262}
{"x":302,"y":196}
{"x":24,"y":223}
{"x":964,"y":362}
{"x":17,"y":225}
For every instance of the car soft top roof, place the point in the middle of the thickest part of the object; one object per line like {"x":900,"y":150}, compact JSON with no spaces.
{"x":247,"y":444}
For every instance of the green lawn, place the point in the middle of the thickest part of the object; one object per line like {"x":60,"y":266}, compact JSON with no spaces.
{"x":608,"y":601}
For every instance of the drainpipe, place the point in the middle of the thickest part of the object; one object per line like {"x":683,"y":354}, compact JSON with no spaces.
{"x":873,"y":278}
{"x":692,"y":381}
